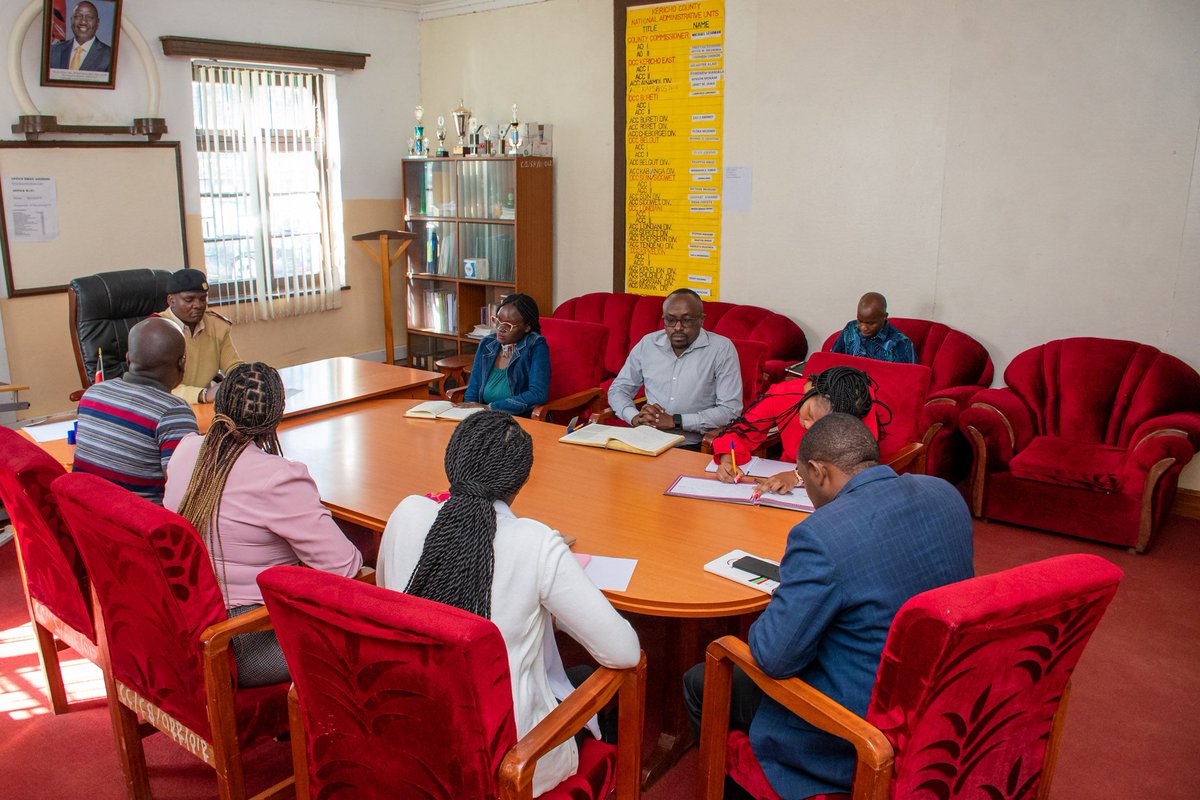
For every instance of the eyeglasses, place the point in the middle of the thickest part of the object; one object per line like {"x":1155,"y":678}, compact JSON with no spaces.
{"x":503,"y":327}
{"x":687,"y":322}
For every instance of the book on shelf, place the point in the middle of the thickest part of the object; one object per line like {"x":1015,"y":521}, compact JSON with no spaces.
{"x":643,"y":440}
{"x":440,"y":409}
{"x":744,"y":493}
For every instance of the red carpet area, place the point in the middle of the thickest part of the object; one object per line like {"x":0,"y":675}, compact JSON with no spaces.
{"x":1131,"y":729}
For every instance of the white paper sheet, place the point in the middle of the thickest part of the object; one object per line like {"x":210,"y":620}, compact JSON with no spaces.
{"x":610,"y":573}
{"x":759,"y":467}
{"x":31,"y":208}
{"x":737,"y":191}
{"x":51,"y":431}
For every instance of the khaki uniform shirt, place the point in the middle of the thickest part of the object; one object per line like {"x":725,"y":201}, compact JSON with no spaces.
{"x":209,"y":350}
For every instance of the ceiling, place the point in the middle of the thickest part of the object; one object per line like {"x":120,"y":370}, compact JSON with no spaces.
{"x":432,"y":9}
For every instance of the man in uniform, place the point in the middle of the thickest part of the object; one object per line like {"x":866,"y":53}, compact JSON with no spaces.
{"x":210,"y":350}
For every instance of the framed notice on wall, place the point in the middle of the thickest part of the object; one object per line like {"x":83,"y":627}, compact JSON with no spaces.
{"x":77,"y":208}
{"x":670,"y":100}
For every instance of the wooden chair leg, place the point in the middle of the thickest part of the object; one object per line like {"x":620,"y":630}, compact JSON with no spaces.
{"x":129,"y":748}
{"x":47,"y":649}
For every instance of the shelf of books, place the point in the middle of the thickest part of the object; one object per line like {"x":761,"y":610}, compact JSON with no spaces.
{"x":485,"y":229}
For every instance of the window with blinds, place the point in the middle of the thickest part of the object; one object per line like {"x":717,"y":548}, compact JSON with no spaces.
{"x":270,"y":197}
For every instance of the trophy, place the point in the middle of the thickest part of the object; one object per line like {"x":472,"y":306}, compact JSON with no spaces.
{"x":442,"y":152}
{"x":422,"y":144}
{"x":513,"y":134}
{"x":461,"y":115}
{"x":472,"y":147}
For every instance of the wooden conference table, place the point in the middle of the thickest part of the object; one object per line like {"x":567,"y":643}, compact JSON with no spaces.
{"x":312,"y":387}
{"x":367,"y":457}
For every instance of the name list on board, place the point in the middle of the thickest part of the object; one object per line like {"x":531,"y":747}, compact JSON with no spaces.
{"x":674,"y":122}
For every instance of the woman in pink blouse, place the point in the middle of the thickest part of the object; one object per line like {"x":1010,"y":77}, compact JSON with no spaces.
{"x":253,"y":508}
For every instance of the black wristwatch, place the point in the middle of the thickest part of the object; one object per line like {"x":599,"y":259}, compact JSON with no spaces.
{"x":678,"y":420}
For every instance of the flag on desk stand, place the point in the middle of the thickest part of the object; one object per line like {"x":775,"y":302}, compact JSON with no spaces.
{"x":99,"y":365}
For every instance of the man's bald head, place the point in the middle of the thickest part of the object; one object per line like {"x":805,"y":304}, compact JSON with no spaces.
{"x":872,"y":314}
{"x":156,"y":350}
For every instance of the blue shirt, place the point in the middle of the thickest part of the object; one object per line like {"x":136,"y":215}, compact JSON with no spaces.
{"x":845,"y":573}
{"x":888,"y":344}
{"x":528,"y":374}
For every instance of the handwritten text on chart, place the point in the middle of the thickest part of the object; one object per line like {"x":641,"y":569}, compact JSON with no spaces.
{"x":674,"y":130}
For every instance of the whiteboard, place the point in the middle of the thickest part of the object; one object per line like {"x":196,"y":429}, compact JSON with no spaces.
{"x":119,"y":206}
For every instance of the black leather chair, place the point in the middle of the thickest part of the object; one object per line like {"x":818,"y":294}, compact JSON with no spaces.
{"x":103,"y":307}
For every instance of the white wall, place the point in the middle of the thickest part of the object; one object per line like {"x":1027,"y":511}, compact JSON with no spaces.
{"x":1022,"y":171}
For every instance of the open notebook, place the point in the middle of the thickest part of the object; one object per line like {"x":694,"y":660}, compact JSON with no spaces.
{"x":642,"y":440}
{"x":440,"y":409}
{"x":711,"y":489}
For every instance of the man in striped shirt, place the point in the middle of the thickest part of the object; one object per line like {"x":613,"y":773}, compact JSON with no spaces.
{"x":128,"y":427}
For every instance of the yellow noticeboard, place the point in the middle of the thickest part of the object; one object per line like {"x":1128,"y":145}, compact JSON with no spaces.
{"x":674,"y":95}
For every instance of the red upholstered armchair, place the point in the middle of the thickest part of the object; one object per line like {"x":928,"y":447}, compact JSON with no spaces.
{"x":397,"y":696}
{"x":902,"y":388}
{"x":970,"y":695}
{"x":629,"y":317}
{"x":960,"y":367}
{"x":1087,"y":439}
{"x":52,"y":573}
{"x":165,"y":636}
{"x":576,"y":368}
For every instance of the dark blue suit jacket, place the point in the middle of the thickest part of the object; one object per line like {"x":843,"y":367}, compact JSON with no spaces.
{"x":99,"y":58}
{"x":846,"y":571}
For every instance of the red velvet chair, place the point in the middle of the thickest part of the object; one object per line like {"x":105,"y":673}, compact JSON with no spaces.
{"x":970,"y":695}
{"x":52,"y":573}
{"x":960,"y":367}
{"x":576,"y":369}
{"x":1087,"y":439}
{"x":164,"y":636}
{"x":397,"y":696}
{"x":629,"y":317}
{"x":902,"y":388}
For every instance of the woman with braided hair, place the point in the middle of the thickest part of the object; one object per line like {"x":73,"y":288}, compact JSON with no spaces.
{"x":472,"y":552}
{"x":253,"y":508}
{"x":792,"y":407}
{"x":511,"y":371}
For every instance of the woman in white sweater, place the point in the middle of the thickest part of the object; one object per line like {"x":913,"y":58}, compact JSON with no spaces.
{"x":472,"y":552}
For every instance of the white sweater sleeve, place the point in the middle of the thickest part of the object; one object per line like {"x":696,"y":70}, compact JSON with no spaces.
{"x":582,"y":610}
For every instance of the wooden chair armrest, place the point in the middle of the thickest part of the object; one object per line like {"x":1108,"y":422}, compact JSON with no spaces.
{"x":366,"y":575}
{"x":216,"y":637}
{"x":906,"y":455}
{"x":455,"y":395}
{"x":76,"y":396}
{"x":542,"y":413}
{"x":873,"y":773}
{"x":607,"y":413}
{"x":516,"y":771}
{"x":706,"y":442}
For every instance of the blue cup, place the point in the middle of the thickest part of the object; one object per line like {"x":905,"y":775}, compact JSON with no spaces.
{"x":72,"y":433}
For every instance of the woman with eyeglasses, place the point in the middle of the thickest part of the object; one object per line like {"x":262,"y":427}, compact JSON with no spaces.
{"x":511,"y":372}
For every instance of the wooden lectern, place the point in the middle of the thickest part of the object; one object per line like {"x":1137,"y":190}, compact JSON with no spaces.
{"x":384,"y":258}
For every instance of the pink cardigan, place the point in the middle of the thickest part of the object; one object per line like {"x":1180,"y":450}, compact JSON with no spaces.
{"x":271,"y":513}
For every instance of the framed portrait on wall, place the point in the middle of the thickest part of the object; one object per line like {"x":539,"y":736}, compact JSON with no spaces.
{"x":79,"y":43}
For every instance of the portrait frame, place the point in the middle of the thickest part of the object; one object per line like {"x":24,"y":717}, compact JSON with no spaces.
{"x":57,"y":44}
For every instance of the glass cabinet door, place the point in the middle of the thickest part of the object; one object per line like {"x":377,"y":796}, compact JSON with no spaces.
{"x":429,"y":189}
{"x":434,"y":251}
{"x":487,"y":189}
{"x":433,"y":306}
{"x":486,"y":251}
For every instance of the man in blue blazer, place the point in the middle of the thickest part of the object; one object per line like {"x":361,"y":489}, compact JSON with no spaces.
{"x":875,"y":540}
{"x":96,"y":56}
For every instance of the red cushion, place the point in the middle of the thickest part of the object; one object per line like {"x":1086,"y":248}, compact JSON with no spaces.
{"x":595,"y":777}
{"x":743,"y":767}
{"x":54,"y":571}
{"x":576,"y":355}
{"x":1051,"y":459}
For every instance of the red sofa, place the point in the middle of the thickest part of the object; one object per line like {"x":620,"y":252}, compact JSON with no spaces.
{"x":960,"y":367}
{"x":1088,"y":439}
{"x":629,"y":317}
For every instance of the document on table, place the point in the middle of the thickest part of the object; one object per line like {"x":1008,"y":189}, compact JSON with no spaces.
{"x":744,"y":493}
{"x":759,"y":467}
{"x":610,"y":573}
{"x":50,"y":431}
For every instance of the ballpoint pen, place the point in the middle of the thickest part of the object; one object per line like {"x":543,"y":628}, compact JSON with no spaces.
{"x":733,"y":458}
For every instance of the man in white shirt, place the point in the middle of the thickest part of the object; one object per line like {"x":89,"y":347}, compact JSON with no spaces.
{"x":692,"y":377}
{"x":83,"y":51}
